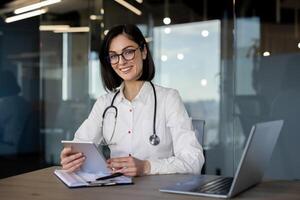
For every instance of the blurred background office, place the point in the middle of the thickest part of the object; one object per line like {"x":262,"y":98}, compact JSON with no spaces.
{"x":235,"y":63}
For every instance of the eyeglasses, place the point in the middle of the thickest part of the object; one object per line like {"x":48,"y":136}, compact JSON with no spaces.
{"x":127,"y":54}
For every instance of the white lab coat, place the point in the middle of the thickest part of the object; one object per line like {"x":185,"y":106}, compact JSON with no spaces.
{"x":178,"y":150}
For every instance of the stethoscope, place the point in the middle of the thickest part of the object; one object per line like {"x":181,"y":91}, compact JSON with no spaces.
{"x":154,"y":139}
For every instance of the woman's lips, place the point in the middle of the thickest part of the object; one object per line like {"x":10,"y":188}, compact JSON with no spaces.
{"x":125,"y":69}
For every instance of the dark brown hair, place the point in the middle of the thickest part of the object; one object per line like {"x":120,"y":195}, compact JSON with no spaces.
{"x":110,"y":79}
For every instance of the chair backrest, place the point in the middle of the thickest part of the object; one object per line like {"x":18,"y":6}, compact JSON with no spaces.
{"x":198,"y":125}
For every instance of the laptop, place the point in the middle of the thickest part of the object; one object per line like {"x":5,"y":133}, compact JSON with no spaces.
{"x":250,"y":171}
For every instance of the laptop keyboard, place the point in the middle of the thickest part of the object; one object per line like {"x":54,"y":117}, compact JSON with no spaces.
{"x":219,"y":185}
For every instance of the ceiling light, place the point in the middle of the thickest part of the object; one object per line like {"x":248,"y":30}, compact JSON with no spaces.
{"x":63,"y":28}
{"x":149,"y":39}
{"x":204,"y":33}
{"x":73,"y":30}
{"x":129,"y":7}
{"x":36,"y":6}
{"x":180,"y":56}
{"x":96,"y":17}
{"x":167,"y":30}
{"x":105,"y":32}
{"x":93,"y":17}
{"x":25,"y":15}
{"x":164,"y":58}
{"x":203,"y":82}
{"x":167,"y":20}
{"x":53,"y":27}
{"x":266,"y":53}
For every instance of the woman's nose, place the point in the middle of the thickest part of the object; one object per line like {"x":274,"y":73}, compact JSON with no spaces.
{"x":122,"y":60}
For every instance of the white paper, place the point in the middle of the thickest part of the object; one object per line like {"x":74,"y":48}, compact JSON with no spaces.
{"x":81,"y":178}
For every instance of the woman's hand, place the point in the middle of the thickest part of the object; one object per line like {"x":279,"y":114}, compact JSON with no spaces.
{"x":71,"y":161}
{"x":129,"y":166}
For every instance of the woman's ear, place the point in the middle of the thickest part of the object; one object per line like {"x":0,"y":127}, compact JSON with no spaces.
{"x":144,"y":52}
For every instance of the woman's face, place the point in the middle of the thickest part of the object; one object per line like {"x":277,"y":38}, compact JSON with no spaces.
{"x":129,"y":65}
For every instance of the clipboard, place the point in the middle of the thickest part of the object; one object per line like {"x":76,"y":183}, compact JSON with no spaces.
{"x":83,"y":179}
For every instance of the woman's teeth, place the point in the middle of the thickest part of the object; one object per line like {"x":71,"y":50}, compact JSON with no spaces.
{"x":125,"y":69}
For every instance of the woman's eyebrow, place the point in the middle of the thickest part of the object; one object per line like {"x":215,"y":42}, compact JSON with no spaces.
{"x":122,"y":49}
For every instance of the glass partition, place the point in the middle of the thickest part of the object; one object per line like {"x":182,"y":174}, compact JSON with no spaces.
{"x":67,"y":88}
{"x":268,"y":78}
{"x":20,"y":149}
{"x":188,"y":58}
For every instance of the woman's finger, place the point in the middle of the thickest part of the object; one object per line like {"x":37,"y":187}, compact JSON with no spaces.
{"x":129,"y":171}
{"x":65,"y":152}
{"x":69,"y":159}
{"x":116,"y":165}
{"x":74,"y":168}
{"x":121,"y":164}
{"x":74,"y":163}
{"x":119,"y":159}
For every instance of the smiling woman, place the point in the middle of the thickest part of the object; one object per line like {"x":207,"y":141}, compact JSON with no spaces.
{"x":127,"y":71}
{"x":129,"y":67}
{"x":123,"y":40}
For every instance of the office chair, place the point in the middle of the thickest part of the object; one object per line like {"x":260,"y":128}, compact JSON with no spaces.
{"x":198,"y":126}
{"x":199,"y":130}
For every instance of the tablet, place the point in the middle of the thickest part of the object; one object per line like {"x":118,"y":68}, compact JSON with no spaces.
{"x":94,"y":160}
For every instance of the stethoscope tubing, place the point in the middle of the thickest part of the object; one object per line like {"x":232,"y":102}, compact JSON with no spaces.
{"x":154,"y":139}
{"x":155,"y":103}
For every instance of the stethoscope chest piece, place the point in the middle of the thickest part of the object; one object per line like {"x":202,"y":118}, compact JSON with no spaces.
{"x":154,"y":139}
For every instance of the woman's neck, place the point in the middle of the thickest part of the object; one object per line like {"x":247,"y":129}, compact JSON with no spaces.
{"x":132,"y":88}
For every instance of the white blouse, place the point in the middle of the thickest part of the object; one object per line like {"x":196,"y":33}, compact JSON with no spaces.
{"x":178,"y":150}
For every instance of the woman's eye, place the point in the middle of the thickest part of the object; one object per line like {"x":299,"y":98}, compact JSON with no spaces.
{"x":112,"y":57}
{"x":129,"y":51}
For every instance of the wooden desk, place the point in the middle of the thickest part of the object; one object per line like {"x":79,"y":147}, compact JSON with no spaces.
{"x":43,"y":184}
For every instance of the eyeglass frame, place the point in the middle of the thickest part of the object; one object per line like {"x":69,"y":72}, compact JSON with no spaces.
{"x":122,"y":54}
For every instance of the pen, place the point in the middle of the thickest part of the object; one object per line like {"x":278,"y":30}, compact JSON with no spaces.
{"x":110,"y":176}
